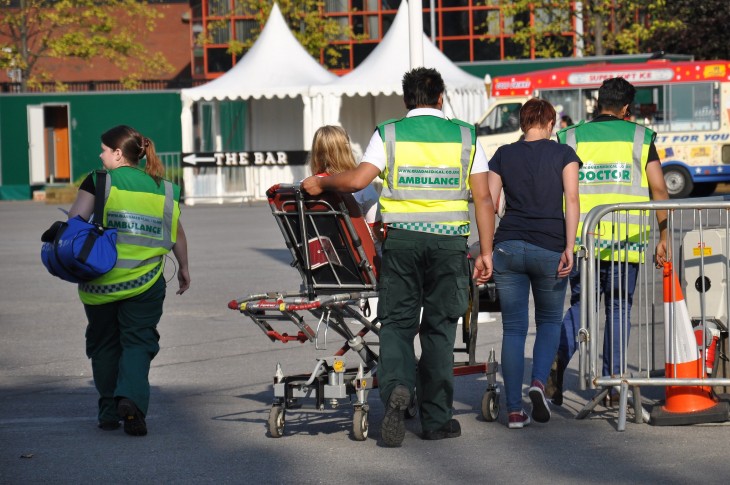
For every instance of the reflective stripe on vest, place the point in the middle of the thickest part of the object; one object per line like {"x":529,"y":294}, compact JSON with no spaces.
{"x":135,"y":263}
{"x":629,"y":236}
{"x":440,"y":216}
{"x":433,"y":188}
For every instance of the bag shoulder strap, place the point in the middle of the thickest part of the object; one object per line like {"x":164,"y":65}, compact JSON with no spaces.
{"x":100,"y":197}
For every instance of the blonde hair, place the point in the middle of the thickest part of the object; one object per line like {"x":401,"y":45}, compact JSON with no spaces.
{"x":331,"y":152}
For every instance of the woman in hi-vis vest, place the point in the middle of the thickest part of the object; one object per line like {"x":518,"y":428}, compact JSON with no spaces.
{"x":124,"y":306}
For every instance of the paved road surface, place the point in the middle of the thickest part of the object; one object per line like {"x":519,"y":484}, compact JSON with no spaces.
{"x":212,"y":391}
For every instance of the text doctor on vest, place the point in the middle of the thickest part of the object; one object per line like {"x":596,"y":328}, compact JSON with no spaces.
{"x":620,"y":165}
{"x":428,"y":165}
{"x":124,"y":306}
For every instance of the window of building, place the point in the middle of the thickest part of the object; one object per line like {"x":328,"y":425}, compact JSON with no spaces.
{"x":466,"y":30}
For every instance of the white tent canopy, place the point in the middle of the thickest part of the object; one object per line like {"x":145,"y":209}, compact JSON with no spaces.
{"x":276,"y":68}
{"x":373,"y":91}
{"x":279,"y":80}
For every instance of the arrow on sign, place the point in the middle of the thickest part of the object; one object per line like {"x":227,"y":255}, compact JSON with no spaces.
{"x":193,"y":159}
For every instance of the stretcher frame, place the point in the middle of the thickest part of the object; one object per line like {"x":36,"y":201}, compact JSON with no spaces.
{"x":338,"y":265}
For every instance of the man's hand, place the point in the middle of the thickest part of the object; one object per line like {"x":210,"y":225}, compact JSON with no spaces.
{"x":482,"y":268}
{"x":661,"y":254}
{"x":311,"y":185}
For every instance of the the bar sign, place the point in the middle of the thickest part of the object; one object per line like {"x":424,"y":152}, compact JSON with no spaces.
{"x":244,"y":159}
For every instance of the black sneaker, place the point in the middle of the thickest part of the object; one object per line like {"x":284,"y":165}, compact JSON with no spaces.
{"x":392,"y":429}
{"x":452,"y":429}
{"x":134,"y":423}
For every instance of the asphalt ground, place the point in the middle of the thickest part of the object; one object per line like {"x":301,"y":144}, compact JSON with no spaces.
{"x":212,"y":390}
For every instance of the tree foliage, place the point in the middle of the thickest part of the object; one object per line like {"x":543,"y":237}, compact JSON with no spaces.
{"x":32,"y":30}
{"x":600,"y":26}
{"x":305,"y":20}
{"x":702,"y":33}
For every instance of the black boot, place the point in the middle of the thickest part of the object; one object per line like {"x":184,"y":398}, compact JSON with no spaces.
{"x":554,"y":387}
{"x":134,"y":423}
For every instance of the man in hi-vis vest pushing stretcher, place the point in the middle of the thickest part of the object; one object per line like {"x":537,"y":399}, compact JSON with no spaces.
{"x":428,"y":164}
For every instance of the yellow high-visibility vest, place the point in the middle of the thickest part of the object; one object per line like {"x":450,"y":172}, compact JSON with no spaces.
{"x":614,"y":155}
{"x":426,"y":177}
{"x":146,"y":217}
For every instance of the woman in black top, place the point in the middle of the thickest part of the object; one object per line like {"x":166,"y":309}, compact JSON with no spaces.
{"x":533,"y":248}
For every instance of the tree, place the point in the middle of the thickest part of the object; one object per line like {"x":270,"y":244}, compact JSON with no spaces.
{"x":83,"y":29}
{"x":703,"y":35}
{"x":601,"y":27}
{"x":304,"y":17}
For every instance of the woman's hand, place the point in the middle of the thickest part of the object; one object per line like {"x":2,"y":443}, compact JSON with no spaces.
{"x":566,"y":263}
{"x":183,"y":277}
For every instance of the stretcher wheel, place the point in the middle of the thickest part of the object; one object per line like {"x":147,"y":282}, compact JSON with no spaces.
{"x":276,"y":421}
{"x":490,"y":406}
{"x":360,"y":424}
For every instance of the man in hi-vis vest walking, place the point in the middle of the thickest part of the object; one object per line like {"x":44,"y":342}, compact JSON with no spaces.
{"x":428,"y":164}
{"x":620,"y":165}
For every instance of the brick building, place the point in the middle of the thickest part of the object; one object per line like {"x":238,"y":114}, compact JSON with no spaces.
{"x":171,"y":37}
{"x":465,"y":30}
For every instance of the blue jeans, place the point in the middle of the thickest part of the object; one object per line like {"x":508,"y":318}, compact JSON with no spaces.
{"x":519,"y":265}
{"x":610,"y":276}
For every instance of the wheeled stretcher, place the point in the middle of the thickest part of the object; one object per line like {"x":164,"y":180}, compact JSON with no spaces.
{"x":333,"y":250}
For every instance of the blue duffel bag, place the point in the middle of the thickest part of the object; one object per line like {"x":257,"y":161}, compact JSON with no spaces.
{"x":76,"y":250}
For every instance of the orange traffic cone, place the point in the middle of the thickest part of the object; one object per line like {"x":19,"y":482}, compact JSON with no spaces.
{"x":684,"y":404}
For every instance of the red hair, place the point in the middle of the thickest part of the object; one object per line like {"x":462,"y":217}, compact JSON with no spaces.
{"x":536,"y":113}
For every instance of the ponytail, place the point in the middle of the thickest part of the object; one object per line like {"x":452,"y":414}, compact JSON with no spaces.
{"x":134,"y":148}
{"x":153,"y":167}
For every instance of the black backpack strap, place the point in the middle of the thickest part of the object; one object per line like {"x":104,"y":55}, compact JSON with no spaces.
{"x":100,"y":197}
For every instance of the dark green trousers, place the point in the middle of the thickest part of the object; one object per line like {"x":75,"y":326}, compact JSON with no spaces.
{"x":429,"y":271}
{"x":121,"y":341}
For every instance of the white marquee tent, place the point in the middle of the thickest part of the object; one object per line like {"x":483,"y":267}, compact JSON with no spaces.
{"x":373,"y":92}
{"x":279,"y":80}
{"x":274,"y":76}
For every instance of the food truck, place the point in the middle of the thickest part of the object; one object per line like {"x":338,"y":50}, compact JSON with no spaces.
{"x":686,"y":103}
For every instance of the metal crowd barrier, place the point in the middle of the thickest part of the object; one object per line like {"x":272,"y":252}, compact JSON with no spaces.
{"x":698,"y":245}
{"x":173,"y":166}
